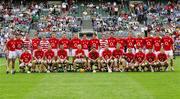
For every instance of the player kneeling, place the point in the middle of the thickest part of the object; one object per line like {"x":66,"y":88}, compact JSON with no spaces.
{"x":38,"y":61}
{"x":48,"y":60}
{"x":93,"y":59}
{"x":62,"y":58}
{"x":79,"y":58}
{"x":129,"y":57}
{"x":151,"y":60}
{"x":106,"y":61}
{"x":162,"y":60}
{"x":119,"y":61}
{"x":25,"y":60}
{"x":140,"y":60}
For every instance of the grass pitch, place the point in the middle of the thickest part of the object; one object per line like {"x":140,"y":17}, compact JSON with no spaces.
{"x":127,"y":85}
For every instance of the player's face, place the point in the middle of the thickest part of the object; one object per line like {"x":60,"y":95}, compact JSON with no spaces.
{"x":129,"y":34}
{"x":94,"y":36}
{"x":61,"y":47}
{"x":150,"y":50}
{"x":84,"y":36}
{"x":79,"y":47}
{"x":103,"y":37}
{"x":129,"y":51}
{"x":75,"y":36}
{"x":53,"y":36}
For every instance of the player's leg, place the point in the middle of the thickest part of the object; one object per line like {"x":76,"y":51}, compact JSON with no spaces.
{"x":22,"y":67}
{"x":116,"y":65}
{"x":29,"y":66}
{"x":109,"y":65}
{"x":13,"y":62}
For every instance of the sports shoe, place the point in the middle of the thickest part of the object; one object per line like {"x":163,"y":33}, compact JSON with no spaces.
{"x":28,"y":72}
{"x":12,"y":72}
{"x":48,"y":71}
{"x":109,"y":71}
{"x":94,"y":71}
{"x":172,"y":68}
{"x":7,"y":72}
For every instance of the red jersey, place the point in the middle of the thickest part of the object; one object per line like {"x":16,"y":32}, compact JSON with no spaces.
{"x":62,"y":54}
{"x":11,"y":45}
{"x":85,"y":43}
{"x":95,"y":43}
{"x":112,"y":42}
{"x":129,"y":57}
{"x":139,"y":56}
{"x":157,"y":43}
{"x":122,"y":42}
{"x":150,"y":57}
{"x":35,"y":43}
{"x":19,"y":44}
{"x":162,"y":57}
{"x":65,"y":42}
{"x":39,"y":54}
{"x":54,"y":42}
{"x":130,"y":42}
{"x":117,"y":53}
{"x":79,"y":51}
{"x":167,"y":43}
{"x":139,"y":43}
{"x":149,"y":42}
{"x":93,"y":55}
{"x":75,"y":42}
{"x":49,"y":54}
{"x":26,"y":57}
{"x":106,"y":54}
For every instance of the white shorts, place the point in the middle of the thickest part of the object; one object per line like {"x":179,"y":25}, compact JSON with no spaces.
{"x":137,"y":50}
{"x":86,"y":52}
{"x":68,"y":53}
{"x":25,"y":64}
{"x":169,"y":53}
{"x":79,"y":60}
{"x":73,"y":52}
{"x":112,"y":49}
{"x":156,"y":52}
{"x":101,"y":50}
{"x":55,"y":52}
{"x":133,"y":50}
{"x":12,"y":55}
{"x":18,"y":53}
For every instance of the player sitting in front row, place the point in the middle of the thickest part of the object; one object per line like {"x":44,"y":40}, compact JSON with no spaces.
{"x":48,"y":59}
{"x":93,"y":59}
{"x":79,"y":57}
{"x":25,"y":60}
{"x":106,"y":60}
{"x":129,"y":56}
{"x":140,"y":60}
{"x":162,"y":60}
{"x":151,"y":60}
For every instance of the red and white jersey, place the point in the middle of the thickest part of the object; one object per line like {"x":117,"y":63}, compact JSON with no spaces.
{"x":35,"y":43}
{"x":44,"y":44}
{"x":85,"y":44}
{"x":94,"y":43}
{"x":103,"y":43}
{"x":121,"y":41}
{"x":19,"y":44}
{"x":130,"y":42}
{"x":27,"y":43}
{"x":54,"y":42}
{"x":11,"y":45}
{"x":112,"y":42}
{"x":65,"y":42}
{"x":148,"y":42}
{"x":167,"y":43}
{"x":157,"y":43}
{"x":75,"y":42}
{"x":139,"y":43}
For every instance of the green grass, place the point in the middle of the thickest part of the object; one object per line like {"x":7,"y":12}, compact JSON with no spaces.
{"x":131,"y":85}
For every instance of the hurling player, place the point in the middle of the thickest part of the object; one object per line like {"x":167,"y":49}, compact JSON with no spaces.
{"x":38,"y":57}
{"x":122,"y":42}
{"x":44,"y":43}
{"x":112,"y":42}
{"x":11,"y":48}
{"x":62,"y":57}
{"x":19,"y":45}
{"x":48,"y":60}
{"x":85,"y":44}
{"x":79,"y":56}
{"x":139,"y":43}
{"x":25,"y":59}
{"x":94,"y":42}
{"x":148,"y":43}
{"x":35,"y":43}
{"x":157,"y":43}
{"x":163,"y":59}
{"x":65,"y":42}
{"x":119,"y":62}
{"x":74,"y":42}
{"x":54,"y":42}
{"x":107,"y":59}
{"x":140,"y":60}
{"x":103,"y":43}
{"x":93,"y":59}
{"x":130,"y":57}
{"x":27,"y":42}
{"x":168,"y":46}
{"x":130,"y":42}
{"x":151,"y":60}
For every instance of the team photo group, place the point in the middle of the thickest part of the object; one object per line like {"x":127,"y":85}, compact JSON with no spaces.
{"x":105,"y":54}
